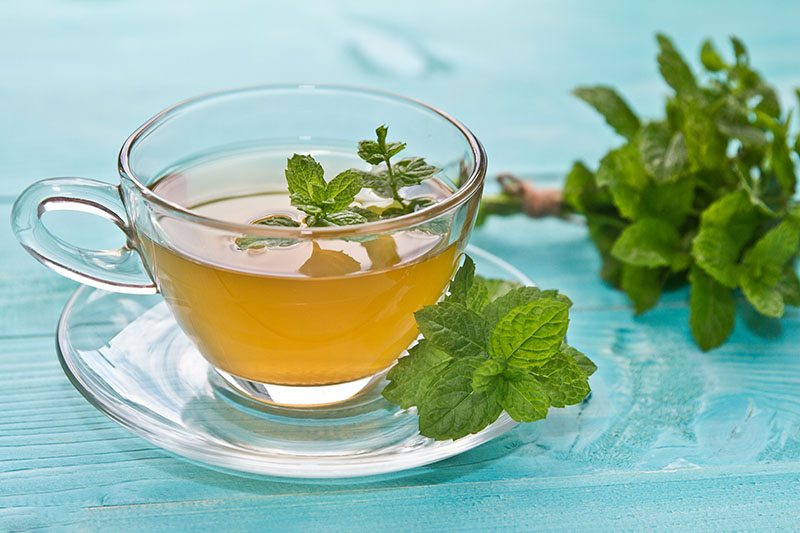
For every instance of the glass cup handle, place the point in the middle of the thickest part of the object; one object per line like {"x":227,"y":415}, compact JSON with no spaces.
{"x":119,"y":270}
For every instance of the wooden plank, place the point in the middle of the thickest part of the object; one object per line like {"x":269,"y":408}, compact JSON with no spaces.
{"x":658,"y":406}
{"x":31,"y":295}
{"x":671,"y":438}
{"x":677,"y":501}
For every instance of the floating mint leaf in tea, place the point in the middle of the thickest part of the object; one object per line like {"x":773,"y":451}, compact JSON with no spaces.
{"x":333,"y":203}
{"x":245,"y":243}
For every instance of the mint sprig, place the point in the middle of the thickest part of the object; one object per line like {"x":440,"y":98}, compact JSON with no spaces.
{"x":325,"y":203}
{"x":489,"y":346}
{"x":333,"y":203}
{"x":387,"y":178}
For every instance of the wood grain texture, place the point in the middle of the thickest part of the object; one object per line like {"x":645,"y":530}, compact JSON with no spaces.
{"x":671,"y":438}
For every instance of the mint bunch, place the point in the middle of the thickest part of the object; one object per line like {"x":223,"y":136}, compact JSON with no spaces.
{"x":489,"y":346}
{"x":332,"y":203}
{"x":706,"y":194}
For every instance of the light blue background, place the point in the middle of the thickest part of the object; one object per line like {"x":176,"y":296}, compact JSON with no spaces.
{"x":671,"y":438}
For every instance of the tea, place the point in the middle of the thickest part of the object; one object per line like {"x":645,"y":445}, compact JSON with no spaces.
{"x":310,"y":313}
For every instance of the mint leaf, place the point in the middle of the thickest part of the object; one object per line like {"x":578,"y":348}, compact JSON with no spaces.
{"x":367,"y":214}
{"x":554,"y":294}
{"x":622,"y":172}
{"x":705,"y":145}
{"x":488,"y":374}
{"x":717,"y":254}
{"x":765,"y":297}
{"x":789,"y":286}
{"x":388,"y":149}
{"x":739,"y":51}
{"x":529,"y":335}
{"x":415,"y":204}
{"x":279,"y":220}
{"x":251,"y":242}
{"x":663,"y":154}
{"x":711,"y":310}
{"x":304,"y":177}
{"x":710,"y":57}
{"x":583,"y":362}
{"x":780,"y":158}
{"x":413,"y":171}
{"x":769,"y":103}
{"x":671,"y":201}
{"x":562,"y":379}
{"x":776,"y":247}
{"x":342,"y":190}
{"x":478,"y":296}
{"x":322,"y":202}
{"x":763,"y":264}
{"x":608,"y":103}
{"x":642,"y":285}
{"x":524,"y":399}
{"x":413,"y":374}
{"x":453,"y":328}
{"x":346,"y":218}
{"x":733,"y":121}
{"x":306,"y":204}
{"x":581,"y":192}
{"x":502,"y":305}
{"x":371,"y":152}
{"x":451,"y":408}
{"x":462,"y":282}
{"x":674,"y":69}
{"x":468,"y":290}
{"x":797,"y":139}
{"x":604,"y":232}
{"x":393,"y":212}
{"x":735,"y":214}
{"x":378,"y":180}
{"x":649,"y":242}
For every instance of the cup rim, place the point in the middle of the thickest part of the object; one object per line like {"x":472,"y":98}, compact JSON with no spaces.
{"x":459,"y":196}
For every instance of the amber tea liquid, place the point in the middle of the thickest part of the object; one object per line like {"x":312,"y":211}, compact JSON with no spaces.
{"x":312,"y":313}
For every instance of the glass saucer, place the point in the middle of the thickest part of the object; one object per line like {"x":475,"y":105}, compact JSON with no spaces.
{"x":127,"y":356}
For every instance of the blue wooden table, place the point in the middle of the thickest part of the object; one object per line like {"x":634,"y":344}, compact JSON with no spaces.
{"x":671,"y":437}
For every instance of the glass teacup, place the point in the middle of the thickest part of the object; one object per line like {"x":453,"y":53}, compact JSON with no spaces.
{"x":310,"y":315}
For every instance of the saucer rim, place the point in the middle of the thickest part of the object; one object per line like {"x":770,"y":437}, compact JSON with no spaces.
{"x":221,"y":457}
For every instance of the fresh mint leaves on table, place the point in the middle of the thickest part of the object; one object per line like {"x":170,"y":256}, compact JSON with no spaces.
{"x":705,"y":195}
{"x":332,"y":203}
{"x":489,"y":346}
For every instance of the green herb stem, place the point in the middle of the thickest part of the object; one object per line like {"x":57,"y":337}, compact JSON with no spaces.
{"x":395,"y":193}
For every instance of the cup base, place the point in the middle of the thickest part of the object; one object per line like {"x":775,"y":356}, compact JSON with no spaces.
{"x":298,"y":395}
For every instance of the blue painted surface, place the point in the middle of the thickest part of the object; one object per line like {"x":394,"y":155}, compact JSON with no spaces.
{"x":671,"y":437}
